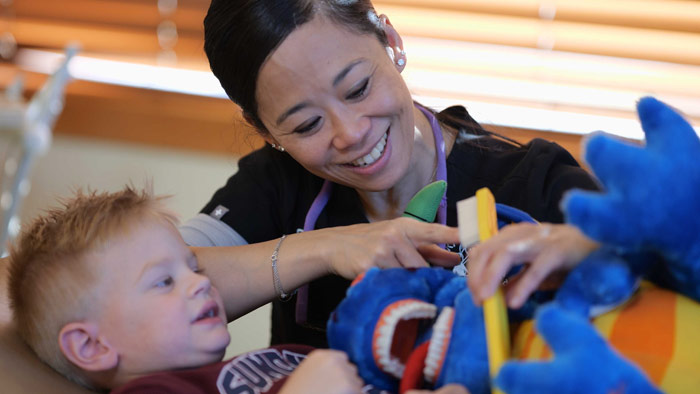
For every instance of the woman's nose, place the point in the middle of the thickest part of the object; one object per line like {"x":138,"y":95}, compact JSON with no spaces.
{"x":349,"y":129}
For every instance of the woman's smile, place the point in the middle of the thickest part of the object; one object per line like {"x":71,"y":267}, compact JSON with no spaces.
{"x":372,"y":156}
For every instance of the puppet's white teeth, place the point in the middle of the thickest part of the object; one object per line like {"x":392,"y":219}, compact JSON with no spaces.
{"x":386,"y":326}
{"x":442,"y":330}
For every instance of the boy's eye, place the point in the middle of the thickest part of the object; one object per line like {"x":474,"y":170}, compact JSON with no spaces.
{"x":165,"y":282}
{"x":308,"y":126}
{"x":198,"y":270}
{"x":359,"y":92}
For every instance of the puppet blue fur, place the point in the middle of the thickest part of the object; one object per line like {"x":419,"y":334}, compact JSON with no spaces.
{"x":583,"y":362}
{"x":466,"y":361}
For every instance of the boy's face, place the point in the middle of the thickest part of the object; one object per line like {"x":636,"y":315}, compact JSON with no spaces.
{"x":159,"y":312}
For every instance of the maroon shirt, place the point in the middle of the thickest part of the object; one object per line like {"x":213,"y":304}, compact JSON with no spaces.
{"x":259,"y":371}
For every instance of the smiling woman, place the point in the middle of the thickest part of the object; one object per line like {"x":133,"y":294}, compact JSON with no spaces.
{"x":321,"y":81}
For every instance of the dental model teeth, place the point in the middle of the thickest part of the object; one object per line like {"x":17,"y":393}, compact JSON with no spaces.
{"x":442,"y":330}
{"x":385,"y":331}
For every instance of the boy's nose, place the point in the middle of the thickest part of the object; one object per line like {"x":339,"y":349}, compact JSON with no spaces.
{"x":200,"y":286}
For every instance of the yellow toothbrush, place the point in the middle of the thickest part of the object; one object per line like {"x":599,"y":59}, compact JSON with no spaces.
{"x":477,"y":222}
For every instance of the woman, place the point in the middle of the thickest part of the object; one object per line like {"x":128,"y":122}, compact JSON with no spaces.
{"x":321,"y":81}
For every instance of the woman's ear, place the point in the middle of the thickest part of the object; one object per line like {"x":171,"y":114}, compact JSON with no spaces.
{"x":395,"y":43}
{"x":82,"y":345}
{"x":248,"y":119}
{"x":264,"y":134}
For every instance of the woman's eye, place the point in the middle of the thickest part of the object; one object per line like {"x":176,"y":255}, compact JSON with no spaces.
{"x":165,"y":282}
{"x":359,"y":92}
{"x":306,"y":127}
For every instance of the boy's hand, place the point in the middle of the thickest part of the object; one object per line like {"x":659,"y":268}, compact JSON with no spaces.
{"x":448,"y":389}
{"x":324,"y":371}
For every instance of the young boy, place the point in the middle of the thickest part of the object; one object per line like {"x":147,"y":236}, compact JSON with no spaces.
{"x":106,"y":292}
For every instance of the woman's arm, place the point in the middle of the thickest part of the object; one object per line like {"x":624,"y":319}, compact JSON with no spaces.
{"x":243,"y":274}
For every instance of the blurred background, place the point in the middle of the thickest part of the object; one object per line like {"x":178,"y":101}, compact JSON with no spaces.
{"x":142,"y":104}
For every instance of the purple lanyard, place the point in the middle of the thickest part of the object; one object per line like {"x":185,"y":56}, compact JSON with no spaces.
{"x":324,"y":195}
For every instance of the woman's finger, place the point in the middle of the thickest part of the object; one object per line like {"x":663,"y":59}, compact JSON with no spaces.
{"x":495,"y":272}
{"x":543,"y":266}
{"x":496,"y":268}
{"x":436,"y":255}
{"x":478,"y":258}
{"x":408,"y":257}
{"x":428,"y":233}
{"x":481,"y":256}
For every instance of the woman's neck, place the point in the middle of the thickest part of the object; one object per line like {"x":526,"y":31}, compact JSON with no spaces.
{"x":389,"y":204}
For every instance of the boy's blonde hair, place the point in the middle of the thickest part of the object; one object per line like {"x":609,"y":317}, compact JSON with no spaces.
{"x":51,"y":280}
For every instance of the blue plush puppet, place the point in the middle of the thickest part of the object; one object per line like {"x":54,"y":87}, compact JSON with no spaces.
{"x":406,"y":329}
{"x":648,"y":220}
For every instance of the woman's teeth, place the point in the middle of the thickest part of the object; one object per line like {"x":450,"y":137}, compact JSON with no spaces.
{"x":372,"y":156}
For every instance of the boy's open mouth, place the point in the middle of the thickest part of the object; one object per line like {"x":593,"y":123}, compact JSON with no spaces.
{"x":211,"y":310}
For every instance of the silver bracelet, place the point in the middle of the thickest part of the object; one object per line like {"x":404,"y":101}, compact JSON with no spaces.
{"x":275,"y":274}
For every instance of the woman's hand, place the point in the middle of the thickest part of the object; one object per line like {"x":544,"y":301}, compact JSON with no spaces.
{"x":546,"y":249}
{"x":324,"y":371}
{"x":401,"y":242}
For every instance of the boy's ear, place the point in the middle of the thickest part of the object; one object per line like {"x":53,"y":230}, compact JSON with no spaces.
{"x":82,"y":345}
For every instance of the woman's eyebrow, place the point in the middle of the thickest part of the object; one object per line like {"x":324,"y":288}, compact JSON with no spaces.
{"x":291,"y":111}
{"x":342,"y":74}
{"x":338,"y":78}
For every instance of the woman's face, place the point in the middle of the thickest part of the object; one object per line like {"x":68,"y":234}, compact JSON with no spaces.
{"x":337,"y":103}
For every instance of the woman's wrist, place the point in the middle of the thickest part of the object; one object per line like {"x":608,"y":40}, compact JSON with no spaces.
{"x":304,"y":257}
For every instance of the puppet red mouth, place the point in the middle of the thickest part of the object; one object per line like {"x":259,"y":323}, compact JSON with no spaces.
{"x":396,"y":333}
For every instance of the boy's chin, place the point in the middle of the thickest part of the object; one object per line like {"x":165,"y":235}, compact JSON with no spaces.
{"x":220,"y":349}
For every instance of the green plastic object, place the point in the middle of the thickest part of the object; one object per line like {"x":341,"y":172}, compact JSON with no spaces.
{"x":424,"y":205}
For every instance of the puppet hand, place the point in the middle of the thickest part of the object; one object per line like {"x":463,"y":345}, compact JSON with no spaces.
{"x":652,"y":191}
{"x":602,"y":280}
{"x":583,"y":362}
{"x":323,"y":369}
{"x":401,"y":242}
{"x":546,"y":249}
